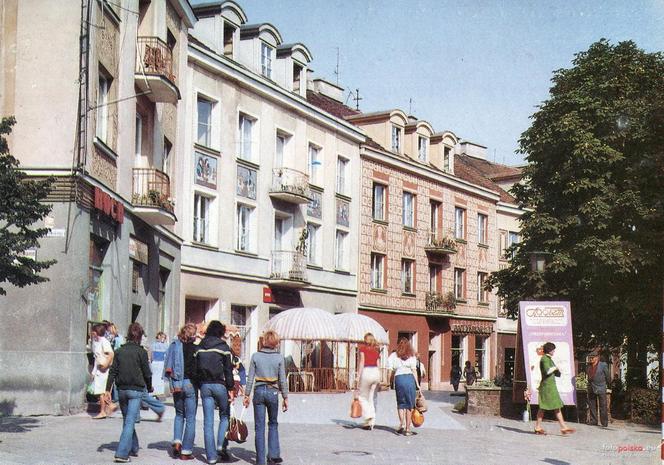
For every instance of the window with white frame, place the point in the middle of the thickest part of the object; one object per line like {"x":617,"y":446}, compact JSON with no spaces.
{"x":480,"y":356}
{"x":204,"y":109}
{"x":341,"y":240}
{"x":407,"y":268}
{"x":342,"y":175}
{"x":315,"y":165}
{"x":408,"y":201}
{"x":103,"y":92}
{"x":378,"y":201}
{"x":447,"y":159}
{"x":377,"y":270}
{"x":422,"y":148}
{"x":201,"y":218}
{"x":246,"y":137}
{"x":396,"y":139}
{"x":459,"y":223}
{"x":266,"y":60}
{"x":244,"y":226}
{"x":458,"y":349}
{"x":482,"y":293}
{"x":138,"y":138}
{"x":313,"y":244}
{"x":435,"y":272}
{"x":482,"y":223}
{"x":512,"y":238}
{"x":460,"y":283}
{"x":434,"y":218}
{"x":280,"y":150}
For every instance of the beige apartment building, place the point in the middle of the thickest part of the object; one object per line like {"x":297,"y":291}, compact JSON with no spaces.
{"x":270,"y":200}
{"x":95,"y":87}
{"x":428,"y":241}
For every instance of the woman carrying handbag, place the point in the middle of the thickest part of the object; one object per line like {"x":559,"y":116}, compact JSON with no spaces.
{"x":369,"y":377}
{"x":405,"y":383}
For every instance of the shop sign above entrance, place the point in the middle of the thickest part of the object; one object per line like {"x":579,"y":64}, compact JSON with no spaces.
{"x":109,"y":206}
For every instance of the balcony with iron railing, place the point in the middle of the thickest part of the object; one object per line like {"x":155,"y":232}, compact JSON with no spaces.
{"x":290,"y":186}
{"x":155,"y":71}
{"x":438,"y":243}
{"x":151,"y":196}
{"x":440,"y":303}
{"x":288,"y":268}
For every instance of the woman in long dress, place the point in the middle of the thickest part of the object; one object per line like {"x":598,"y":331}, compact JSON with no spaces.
{"x":549,"y":398}
{"x":103,"y":358}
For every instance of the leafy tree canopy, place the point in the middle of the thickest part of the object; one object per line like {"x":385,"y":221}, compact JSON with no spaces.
{"x":594,"y":185}
{"x":20,"y":208}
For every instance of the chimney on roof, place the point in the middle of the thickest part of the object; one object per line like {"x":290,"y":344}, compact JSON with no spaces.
{"x":329,"y":89}
{"x":473,"y":150}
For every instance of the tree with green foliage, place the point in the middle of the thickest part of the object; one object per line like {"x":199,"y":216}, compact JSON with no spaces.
{"x":594,"y":187}
{"x":20,"y":208}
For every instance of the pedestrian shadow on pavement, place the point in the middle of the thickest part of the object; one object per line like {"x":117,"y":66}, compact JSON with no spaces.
{"x":108,"y":446}
{"x":516,"y":430}
{"x":354,"y":425}
{"x":17,"y":424}
{"x":556,"y":462}
{"x":238,"y":453}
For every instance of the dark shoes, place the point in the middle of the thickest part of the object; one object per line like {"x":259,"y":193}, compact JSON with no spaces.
{"x":177,"y":449}
{"x":224,"y":456}
{"x":275,"y":459}
{"x":186,"y":457}
{"x":121,"y":459}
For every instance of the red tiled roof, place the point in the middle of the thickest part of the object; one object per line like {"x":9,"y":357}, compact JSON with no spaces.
{"x":464,"y":168}
{"x":492,"y":170}
{"x":329,"y":105}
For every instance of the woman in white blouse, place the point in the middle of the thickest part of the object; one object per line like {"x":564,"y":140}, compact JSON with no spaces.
{"x":405,"y":384}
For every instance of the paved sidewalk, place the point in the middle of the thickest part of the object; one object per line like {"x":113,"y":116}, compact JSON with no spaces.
{"x":317,"y":430}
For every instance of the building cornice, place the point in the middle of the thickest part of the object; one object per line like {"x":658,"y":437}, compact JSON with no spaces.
{"x":66,"y":172}
{"x":185,"y":11}
{"x":509,"y":209}
{"x":259,"y":279}
{"x":235,"y":72}
{"x":444,"y":178}
{"x":452,"y":316}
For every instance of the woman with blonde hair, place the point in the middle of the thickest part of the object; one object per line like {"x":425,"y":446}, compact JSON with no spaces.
{"x":405,"y":384}
{"x":267,"y":376}
{"x":369,"y":377}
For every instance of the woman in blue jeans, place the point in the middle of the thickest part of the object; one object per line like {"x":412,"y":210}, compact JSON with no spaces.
{"x":131,"y":374}
{"x":267,"y":376}
{"x":180,"y":370}
{"x":214,"y":373}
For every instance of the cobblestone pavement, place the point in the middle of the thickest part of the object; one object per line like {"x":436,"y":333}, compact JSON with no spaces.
{"x":317,"y":430}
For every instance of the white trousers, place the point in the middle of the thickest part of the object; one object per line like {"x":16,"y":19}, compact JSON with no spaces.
{"x":369,"y":379}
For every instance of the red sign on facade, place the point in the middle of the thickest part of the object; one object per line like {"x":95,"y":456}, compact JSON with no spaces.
{"x":267,"y":295}
{"x":109,"y":206}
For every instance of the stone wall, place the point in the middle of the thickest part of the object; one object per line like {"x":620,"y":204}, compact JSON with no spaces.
{"x":492,"y":402}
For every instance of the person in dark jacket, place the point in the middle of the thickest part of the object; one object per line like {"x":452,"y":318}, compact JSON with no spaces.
{"x":131,"y":374}
{"x":598,"y":379}
{"x":214,"y":373}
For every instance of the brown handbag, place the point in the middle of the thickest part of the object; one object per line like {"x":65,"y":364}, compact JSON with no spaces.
{"x":420,"y":402}
{"x":355,"y":408}
{"x":237,"y":429}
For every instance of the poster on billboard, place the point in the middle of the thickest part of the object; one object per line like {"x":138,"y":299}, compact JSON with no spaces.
{"x":548,"y":322}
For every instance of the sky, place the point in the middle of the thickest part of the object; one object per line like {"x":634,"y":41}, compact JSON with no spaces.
{"x":477,"y":68}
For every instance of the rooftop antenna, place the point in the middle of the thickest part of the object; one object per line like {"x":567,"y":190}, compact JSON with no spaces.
{"x":410,"y":106}
{"x":357,"y":99}
{"x":336,"y":69}
{"x":494,"y":155}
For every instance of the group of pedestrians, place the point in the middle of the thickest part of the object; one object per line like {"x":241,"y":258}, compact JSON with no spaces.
{"x":407,"y":371}
{"x":202,"y":365}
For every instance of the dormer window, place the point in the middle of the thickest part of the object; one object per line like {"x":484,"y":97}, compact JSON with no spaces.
{"x":422,"y":148}
{"x":229,"y":33}
{"x":396,"y":139}
{"x":266,"y":60}
{"x":447,"y":162}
